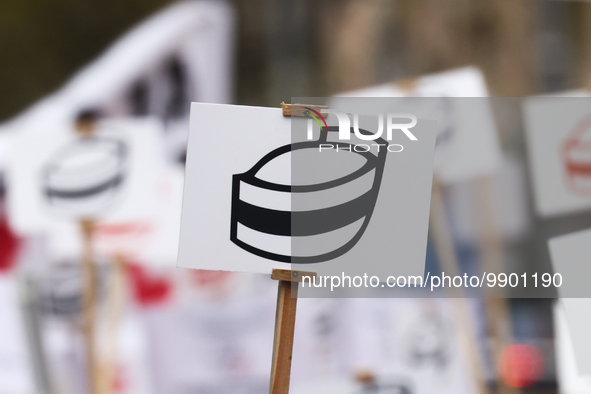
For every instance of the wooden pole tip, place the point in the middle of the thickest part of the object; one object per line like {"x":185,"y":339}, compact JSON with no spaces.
{"x":367,"y":378}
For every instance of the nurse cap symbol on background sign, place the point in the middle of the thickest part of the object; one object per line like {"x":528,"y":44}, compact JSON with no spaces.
{"x":320,"y":211}
{"x":576,"y":157}
{"x":86,"y":175}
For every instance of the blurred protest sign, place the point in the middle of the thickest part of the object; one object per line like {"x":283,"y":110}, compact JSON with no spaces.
{"x":578,"y":324}
{"x":570,"y":259}
{"x":394,"y":346}
{"x":118,"y":176}
{"x":412,"y":341}
{"x":319,"y":354}
{"x":510,"y":199}
{"x":558,"y":131}
{"x":241,"y":211}
{"x":150,"y":237}
{"x":220,"y":345}
{"x":467,"y":149}
{"x":570,"y":378}
{"x":467,"y":145}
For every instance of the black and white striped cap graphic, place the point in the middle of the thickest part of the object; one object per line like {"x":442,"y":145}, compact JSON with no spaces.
{"x":307,"y":222}
{"x":84,"y":176}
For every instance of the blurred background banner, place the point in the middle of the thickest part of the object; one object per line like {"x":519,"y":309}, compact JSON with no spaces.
{"x":501,"y":192}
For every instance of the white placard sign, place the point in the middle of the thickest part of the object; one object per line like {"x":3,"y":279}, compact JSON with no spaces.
{"x":569,"y":379}
{"x":213,"y":347}
{"x":409,"y":345}
{"x":239,"y":205}
{"x":570,"y":259}
{"x":578,"y":322}
{"x":558,"y":131}
{"x":150,"y":238}
{"x":412,"y":340}
{"x":467,"y":145}
{"x":118,"y":177}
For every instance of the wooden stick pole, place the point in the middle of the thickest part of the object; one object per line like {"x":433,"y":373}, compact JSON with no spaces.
{"x":449,"y":263}
{"x":89,"y":291}
{"x":286,"y":300}
{"x":283,"y":341}
{"x":492,"y":258}
{"x":284,"y":328}
{"x":85,"y":126}
{"x":114,"y":304}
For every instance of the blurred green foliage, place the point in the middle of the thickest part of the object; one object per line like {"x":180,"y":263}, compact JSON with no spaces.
{"x":42,"y":42}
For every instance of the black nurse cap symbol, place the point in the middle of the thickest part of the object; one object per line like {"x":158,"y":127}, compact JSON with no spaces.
{"x":331,"y":215}
{"x":85,"y":176}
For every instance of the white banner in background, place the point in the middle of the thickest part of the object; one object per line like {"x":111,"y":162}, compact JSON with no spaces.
{"x":183,"y":53}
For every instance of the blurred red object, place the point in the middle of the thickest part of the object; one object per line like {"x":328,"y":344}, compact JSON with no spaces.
{"x":205,"y":278}
{"x":149,"y":288}
{"x":9,"y":247}
{"x":120,"y":384}
{"x":521,"y":365}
